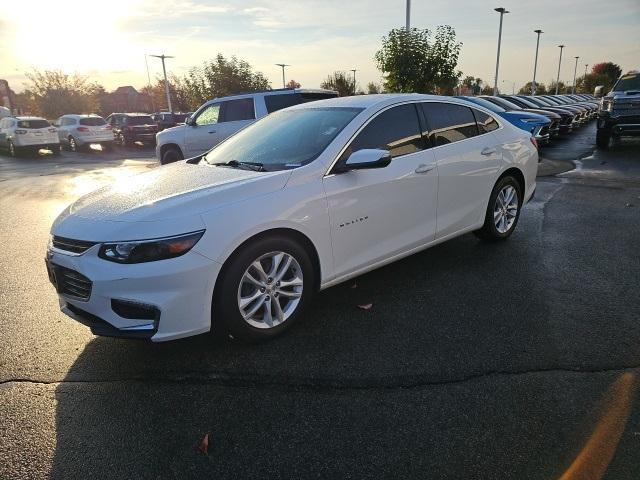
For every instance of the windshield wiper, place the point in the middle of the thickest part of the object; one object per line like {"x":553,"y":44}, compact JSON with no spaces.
{"x":255,"y":166}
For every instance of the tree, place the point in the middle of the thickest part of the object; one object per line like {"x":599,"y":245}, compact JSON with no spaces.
{"x":526,"y":89}
{"x":486,"y":90}
{"x":373,"y":88}
{"x":221,"y":77}
{"x":55,"y":93}
{"x":562,"y":88}
{"x":588,"y":83}
{"x":177,"y":90}
{"x":293,"y":84}
{"x":411,"y":61}
{"x":341,"y":82}
{"x":610,"y":69}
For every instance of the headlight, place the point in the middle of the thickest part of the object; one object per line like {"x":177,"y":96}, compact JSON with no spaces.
{"x":149,"y":250}
{"x":606,"y":105}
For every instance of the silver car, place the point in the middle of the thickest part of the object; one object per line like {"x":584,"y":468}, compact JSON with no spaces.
{"x":80,"y":131}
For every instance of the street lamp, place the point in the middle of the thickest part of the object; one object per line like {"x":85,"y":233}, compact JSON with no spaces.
{"x":354,"y":80}
{"x":574,"y":75}
{"x":559,"y":62}
{"x":149,"y":83}
{"x":535,"y":63}
{"x":166,"y":83}
{"x":408,"y":15}
{"x":284,"y":84}
{"x":501,"y":11}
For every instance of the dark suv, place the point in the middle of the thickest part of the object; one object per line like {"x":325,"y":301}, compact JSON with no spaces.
{"x":619,"y":112}
{"x":129,"y":128}
{"x":168,"y":120}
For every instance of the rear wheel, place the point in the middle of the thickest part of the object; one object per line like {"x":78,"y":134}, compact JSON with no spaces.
{"x":603,"y":139}
{"x":264,"y":288}
{"x":503,"y":210}
{"x":170,"y":155}
{"x":73,"y":145}
{"x":13,"y":150}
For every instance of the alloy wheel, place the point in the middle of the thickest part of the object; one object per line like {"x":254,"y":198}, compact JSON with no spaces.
{"x":12,"y":149}
{"x":72,"y":144}
{"x":505,"y":209}
{"x":270,"y":290}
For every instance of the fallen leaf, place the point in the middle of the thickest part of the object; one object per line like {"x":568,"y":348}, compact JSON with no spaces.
{"x":203,"y":446}
{"x":366,"y":306}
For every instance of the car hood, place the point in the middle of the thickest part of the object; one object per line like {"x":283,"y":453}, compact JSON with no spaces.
{"x":173,"y":191}
{"x":546,"y":113}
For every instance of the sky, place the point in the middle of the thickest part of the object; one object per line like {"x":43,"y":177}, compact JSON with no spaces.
{"x":107,"y":40}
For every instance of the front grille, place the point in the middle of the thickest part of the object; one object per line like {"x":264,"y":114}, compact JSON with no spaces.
{"x":554,"y":125}
{"x":544,"y":130}
{"x":72,"y":283}
{"x":70,"y":245}
{"x":626,"y":108}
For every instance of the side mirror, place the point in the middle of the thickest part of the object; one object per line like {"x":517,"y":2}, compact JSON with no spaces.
{"x":365,"y":159}
{"x":189,"y":121}
{"x":598,"y":92}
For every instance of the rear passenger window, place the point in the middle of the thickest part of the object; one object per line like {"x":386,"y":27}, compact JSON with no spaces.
{"x":486,"y":123}
{"x":279,"y":101}
{"x":449,"y":123}
{"x":235,"y":110}
{"x":396,"y":130}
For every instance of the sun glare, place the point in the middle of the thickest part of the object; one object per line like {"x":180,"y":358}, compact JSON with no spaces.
{"x":72,"y":35}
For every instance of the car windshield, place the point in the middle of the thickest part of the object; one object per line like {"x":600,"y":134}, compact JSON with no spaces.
{"x":506,"y":104}
{"x":141,"y":120}
{"x":532,"y":102}
{"x":628,"y":82}
{"x":33,"y":124}
{"x":92,"y":121}
{"x":484,"y":103}
{"x":285,"y":139}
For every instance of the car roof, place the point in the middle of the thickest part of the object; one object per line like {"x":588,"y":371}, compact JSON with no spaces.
{"x":377,"y":100}
{"x":81,"y":115}
{"x":276,"y":91}
{"x":133,"y":114}
{"x":29,"y":118}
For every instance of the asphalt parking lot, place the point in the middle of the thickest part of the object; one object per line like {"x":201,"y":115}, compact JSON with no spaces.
{"x":486,"y":361}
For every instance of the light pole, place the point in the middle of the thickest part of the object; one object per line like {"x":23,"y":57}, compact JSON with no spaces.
{"x":502,"y":11}
{"x":149,"y":83}
{"x":166,"y":83}
{"x":585,"y":69}
{"x":354,"y":80}
{"x":573,"y":90}
{"x":408,"y":16}
{"x":513,"y":86}
{"x":559,"y":62}
{"x":535,"y":63}
{"x":284,"y":85}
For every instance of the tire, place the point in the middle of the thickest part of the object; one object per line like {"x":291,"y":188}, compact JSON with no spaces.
{"x":603,"y":139}
{"x":73,"y":144}
{"x":122,"y":140}
{"x":493,"y":228}
{"x":232,"y":286}
{"x":107,"y":146}
{"x":13,"y":150}
{"x":170,"y":155}
{"x":55,"y":150}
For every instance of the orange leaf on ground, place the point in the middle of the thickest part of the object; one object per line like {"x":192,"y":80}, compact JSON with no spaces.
{"x":366,"y":306}
{"x":203,"y":446}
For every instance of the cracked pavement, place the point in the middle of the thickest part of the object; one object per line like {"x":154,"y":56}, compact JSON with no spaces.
{"x":489,"y":361}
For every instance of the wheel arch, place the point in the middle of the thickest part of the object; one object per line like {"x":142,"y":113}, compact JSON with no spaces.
{"x":516,"y":173}
{"x":291,"y":233}
{"x":167,"y":146}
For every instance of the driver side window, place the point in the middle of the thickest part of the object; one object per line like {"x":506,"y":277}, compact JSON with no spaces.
{"x":209,"y":115}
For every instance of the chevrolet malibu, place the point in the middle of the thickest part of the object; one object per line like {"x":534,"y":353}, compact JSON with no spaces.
{"x":241,"y":237}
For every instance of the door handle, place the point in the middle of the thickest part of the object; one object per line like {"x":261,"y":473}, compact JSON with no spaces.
{"x":424,"y":168}
{"x":212,"y":131}
{"x":488,"y":151}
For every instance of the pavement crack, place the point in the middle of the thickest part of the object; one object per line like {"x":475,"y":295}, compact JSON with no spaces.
{"x":304,"y":383}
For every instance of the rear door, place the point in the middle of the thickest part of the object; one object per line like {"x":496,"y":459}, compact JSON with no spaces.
{"x":203,"y":134}
{"x":468,"y":161}
{"x":234,"y":116}
{"x":377,"y":213}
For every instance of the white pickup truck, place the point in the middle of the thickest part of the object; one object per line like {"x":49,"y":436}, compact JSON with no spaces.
{"x":222,"y":117}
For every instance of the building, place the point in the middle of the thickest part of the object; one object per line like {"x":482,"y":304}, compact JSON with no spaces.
{"x":128,"y":99}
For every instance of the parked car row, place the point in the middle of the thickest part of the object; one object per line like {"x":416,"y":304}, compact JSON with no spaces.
{"x":545,"y":116}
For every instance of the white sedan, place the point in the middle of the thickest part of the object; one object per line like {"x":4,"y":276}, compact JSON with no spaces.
{"x":303,"y":199}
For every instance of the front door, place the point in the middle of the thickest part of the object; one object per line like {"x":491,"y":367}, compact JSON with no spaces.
{"x":204,"y":134}
{"x":377,"y":213}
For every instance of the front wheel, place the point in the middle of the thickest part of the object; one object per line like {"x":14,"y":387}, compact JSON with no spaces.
{"x":171,"y":154}
{"x":503,"y":210}
{"x":264,"y":289}
{"x":13,"y":150}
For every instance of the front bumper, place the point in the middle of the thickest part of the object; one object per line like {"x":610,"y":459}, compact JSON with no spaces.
{"x":178,"y":291}
{"x":623,"y":125}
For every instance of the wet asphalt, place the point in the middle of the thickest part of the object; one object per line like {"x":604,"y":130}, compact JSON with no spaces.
{"x":485,"y":361}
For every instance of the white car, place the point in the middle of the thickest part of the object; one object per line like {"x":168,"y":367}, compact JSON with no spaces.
{"x":78,"y":131}
{"x":305,"y":198}
{"x":222,"y":117}
{"x":21,"y":134}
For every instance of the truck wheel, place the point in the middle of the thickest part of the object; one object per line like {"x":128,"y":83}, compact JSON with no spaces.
{"x":603,"y":138}
{"x":171,"y":154}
